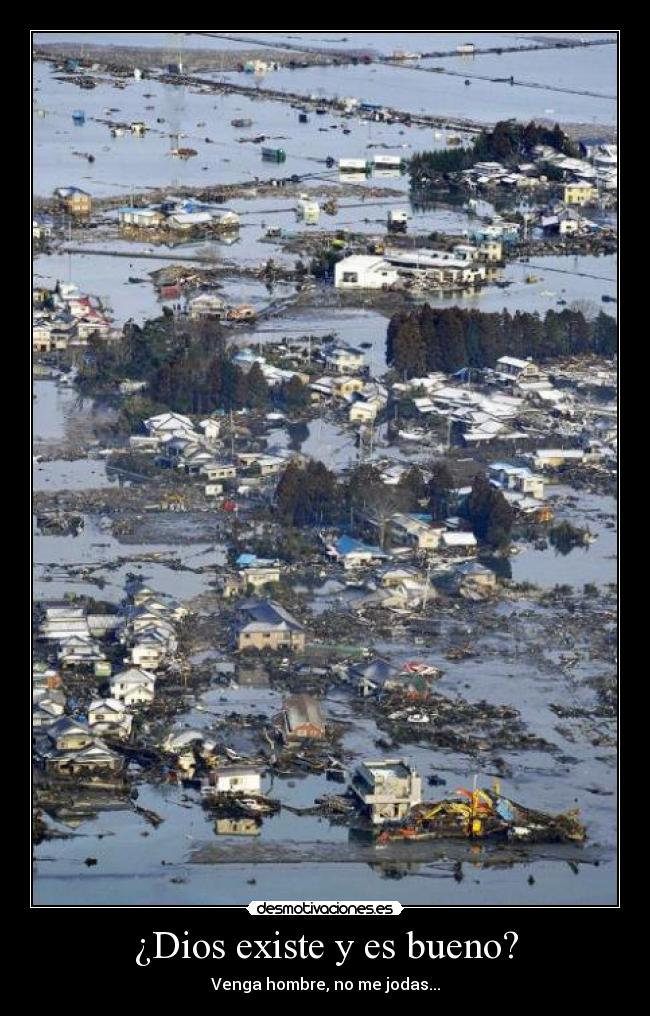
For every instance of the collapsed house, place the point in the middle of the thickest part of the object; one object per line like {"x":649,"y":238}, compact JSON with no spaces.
{"x":302,"y":719}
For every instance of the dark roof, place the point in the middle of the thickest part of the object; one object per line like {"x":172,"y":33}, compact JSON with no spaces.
{"x":266,"y":613}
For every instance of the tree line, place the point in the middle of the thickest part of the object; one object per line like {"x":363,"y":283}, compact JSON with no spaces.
{"x":310,"y":494}
{"x":450,"y":338}
{"x":188,"y":371}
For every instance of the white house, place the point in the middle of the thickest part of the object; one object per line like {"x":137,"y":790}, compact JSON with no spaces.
{"x":168,"y":423}
{"x":459,"y":541}
{"x":515,"y":368}
{"x":343,"y":359}
{"x":149,"y":650}
{"x":364,"y":412}
{"x":553,"y":458}
{"x":363,"y":271}
{"x":79,"y":649}
{"x":109,"y":716}
{"x":237,"y":780}
{"x":418,"y":533}
{"x":219,"y":471}
{"x":518,"y":478}
{"x":133,"y":686}
{"x":206,"y":306}
{"x":189,"y":220}
{"x":210,"y":428}
{"x":141,"y":217}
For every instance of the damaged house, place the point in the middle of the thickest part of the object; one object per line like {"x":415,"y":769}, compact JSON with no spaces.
{"x":386,"y":790}
{"x":302,"y":719}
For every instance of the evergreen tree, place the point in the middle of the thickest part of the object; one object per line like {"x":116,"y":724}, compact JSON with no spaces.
{"x":258,"y":389}
{"x":452,"y":342}
{"x":605,"y":330}
{"x":412,"y":488}
{"x":439,"y":489}
{"x":294,"y":394}
{"x":489,"y":513}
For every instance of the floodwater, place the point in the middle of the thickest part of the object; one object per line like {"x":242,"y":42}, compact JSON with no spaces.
{"x":594,"y":563}
{"x":127,"y":162}
{"x":519,"y":664}
{"x":52,"y":406}
{"x":95,"y":545}
{"x":162,"y":855}
{"x":416,"y":91}
{"x":584,"y":279}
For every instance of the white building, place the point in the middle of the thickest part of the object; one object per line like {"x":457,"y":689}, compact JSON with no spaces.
{"x":133,"y":686}
{"x":142,"y":217}
{"x":237,"y":780}
{"x":308,"y":210}
{"x":205,"y":306}
{"x":515,"y":368}
{"x":363,"y":271}
{"x":344,"y":359}
{"x":387,"y":789}
{"x":189,"y":220}
{"x":352,"y":165}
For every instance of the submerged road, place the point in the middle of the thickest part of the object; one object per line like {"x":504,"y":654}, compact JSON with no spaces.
{"x":506,"y":81}
{"x":569,"y":271}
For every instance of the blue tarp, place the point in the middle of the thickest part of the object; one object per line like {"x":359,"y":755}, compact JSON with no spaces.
{"x":347,"y":544}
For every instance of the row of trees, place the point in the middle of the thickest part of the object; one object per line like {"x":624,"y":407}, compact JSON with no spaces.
{"x":450,"y":338}
{"x":312,"y":494}
{"x":508,"y":143}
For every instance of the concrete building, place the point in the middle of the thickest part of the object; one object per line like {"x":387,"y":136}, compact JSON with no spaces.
{"x":386,"y":789}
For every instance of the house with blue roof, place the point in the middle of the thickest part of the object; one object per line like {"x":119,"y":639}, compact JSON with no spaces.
{"x":141,"y":217}
{"x":355,"y":554}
